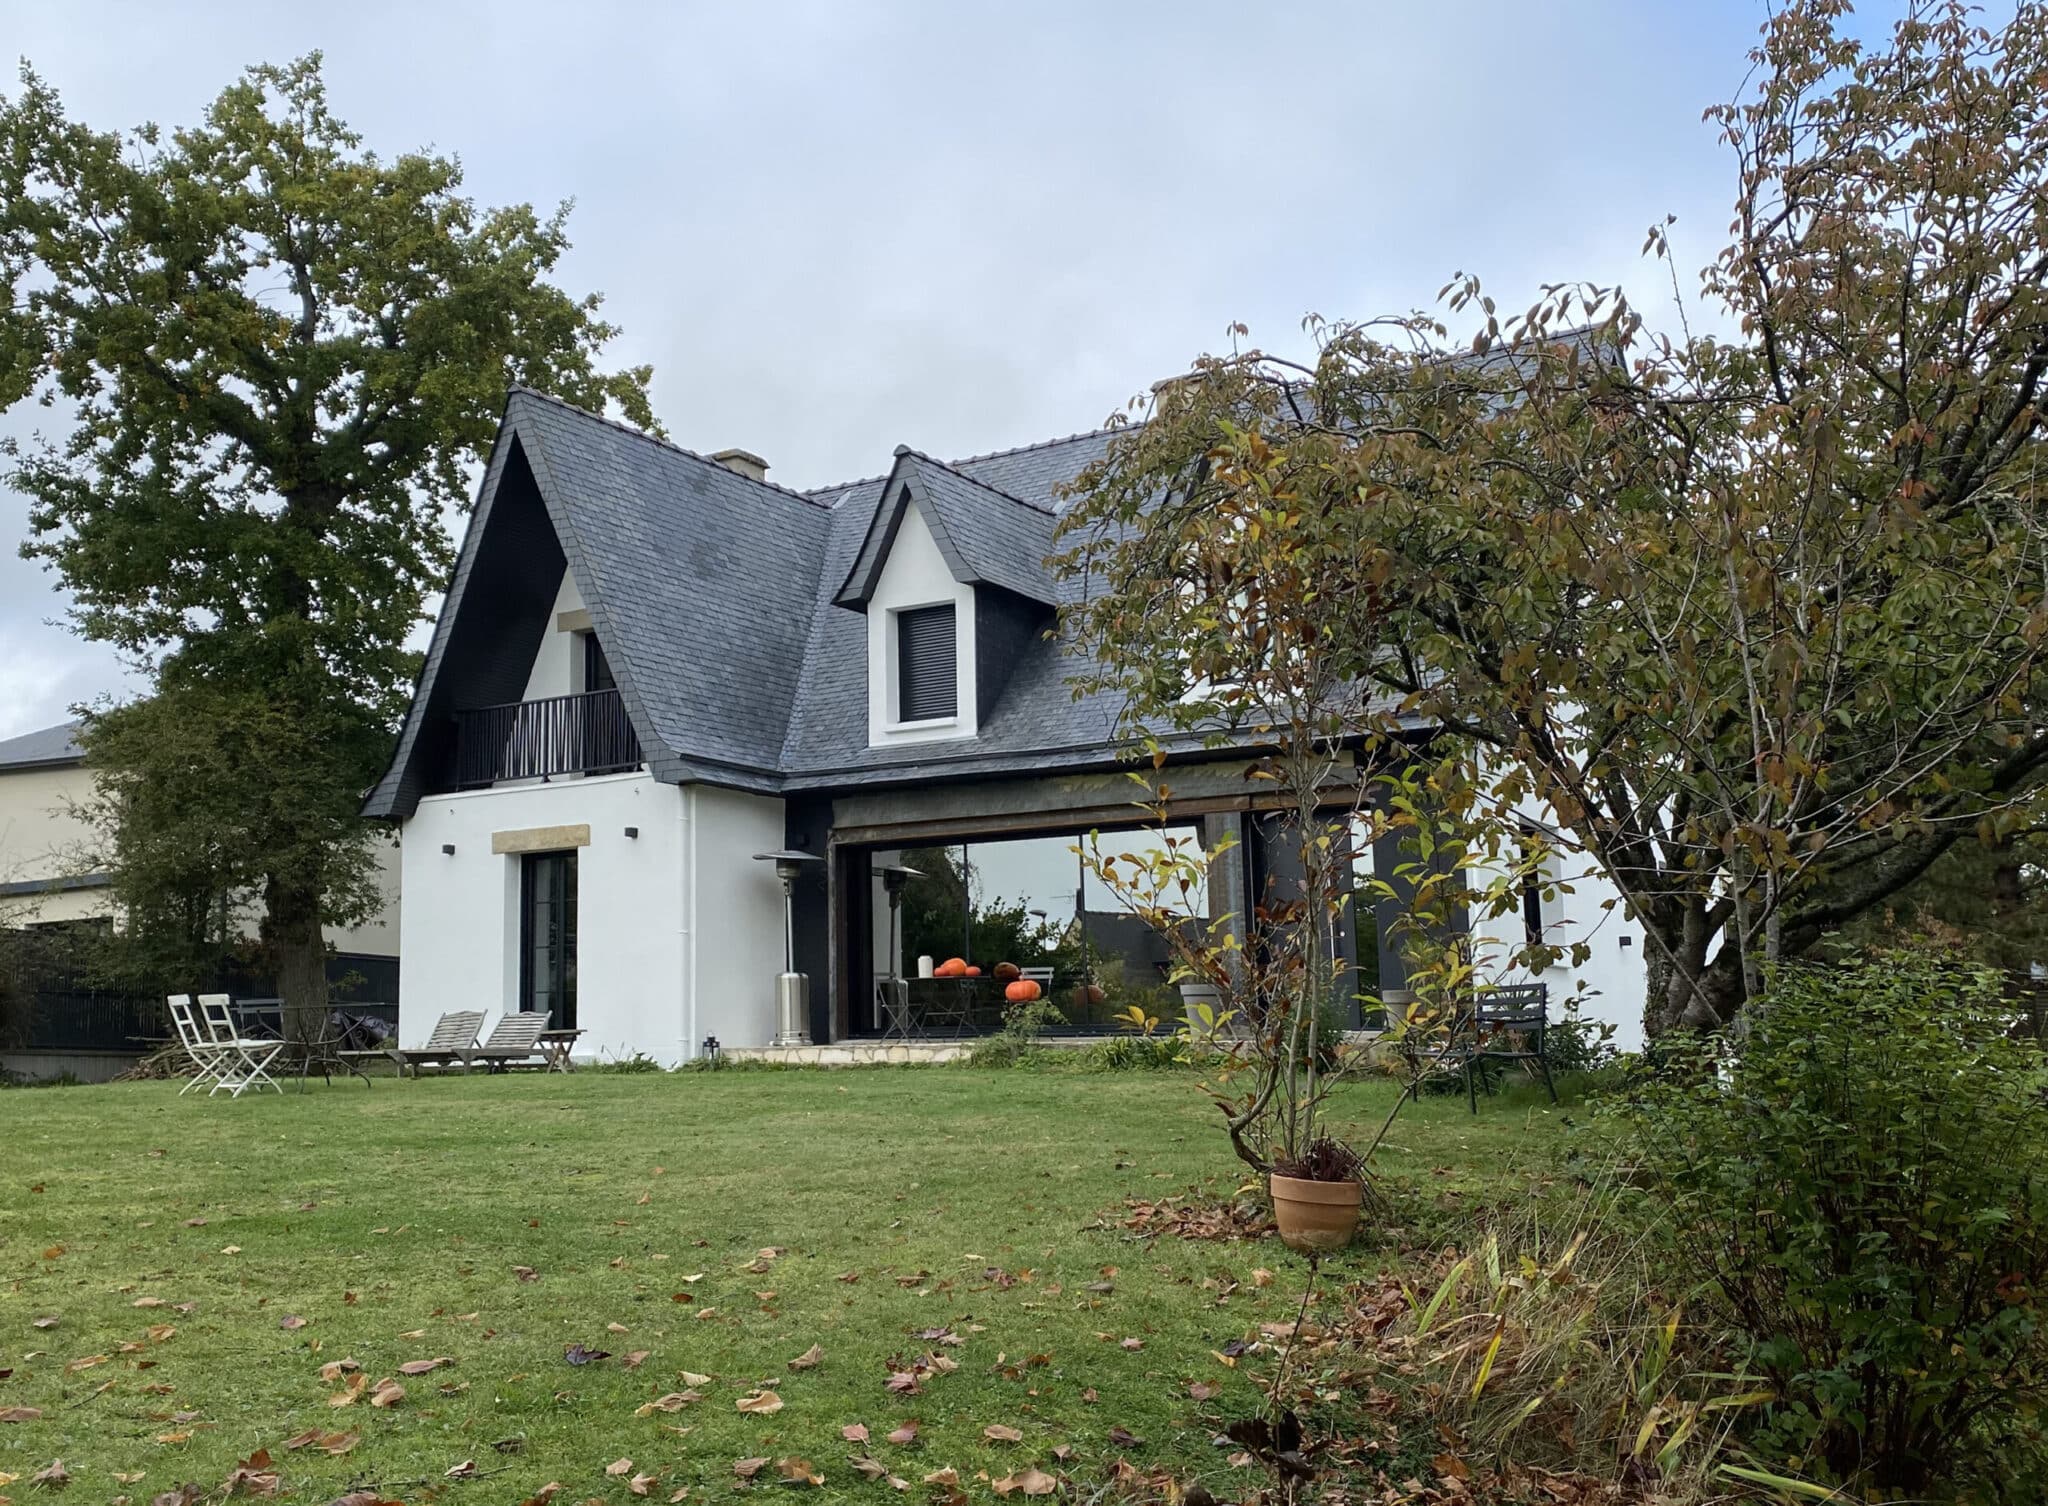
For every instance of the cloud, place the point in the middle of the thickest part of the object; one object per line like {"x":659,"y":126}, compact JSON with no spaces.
{"x":835,"y":227}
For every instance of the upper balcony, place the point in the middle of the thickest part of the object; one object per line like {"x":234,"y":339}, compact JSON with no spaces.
{"x":564,"y":734}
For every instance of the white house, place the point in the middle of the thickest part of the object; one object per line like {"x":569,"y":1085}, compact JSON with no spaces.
{"x":653,"y":666}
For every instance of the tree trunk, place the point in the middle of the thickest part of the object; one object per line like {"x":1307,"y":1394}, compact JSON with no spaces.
{"x":298,"y":952}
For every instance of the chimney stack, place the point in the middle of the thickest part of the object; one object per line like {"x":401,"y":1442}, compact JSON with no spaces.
{"x":743,"y":462}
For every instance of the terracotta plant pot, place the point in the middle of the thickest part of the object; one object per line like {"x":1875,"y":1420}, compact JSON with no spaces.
{"x":1316,"y":1215}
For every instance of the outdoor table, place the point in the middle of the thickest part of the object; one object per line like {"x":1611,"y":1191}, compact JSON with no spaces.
{"x":554,"y":1046}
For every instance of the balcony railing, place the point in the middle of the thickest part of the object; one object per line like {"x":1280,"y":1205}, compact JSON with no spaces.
{"x":564,"y":734}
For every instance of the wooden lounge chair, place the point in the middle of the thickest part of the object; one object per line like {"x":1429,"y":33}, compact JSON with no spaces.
{"x":454,"y":1033}
{"x":514,"y":1040}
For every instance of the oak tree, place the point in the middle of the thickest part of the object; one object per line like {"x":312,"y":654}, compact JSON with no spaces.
{"x":275,"y":357}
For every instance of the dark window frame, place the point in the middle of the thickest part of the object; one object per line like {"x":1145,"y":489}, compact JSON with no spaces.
{"x":557,"y":873}
{"x":927,"y":663}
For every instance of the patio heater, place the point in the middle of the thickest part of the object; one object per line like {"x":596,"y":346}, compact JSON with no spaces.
{"x":792,"y":988}
{"x":896,"y":992}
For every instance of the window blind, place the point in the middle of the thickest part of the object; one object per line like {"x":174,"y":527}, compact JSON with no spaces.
{"x":925,"y":664}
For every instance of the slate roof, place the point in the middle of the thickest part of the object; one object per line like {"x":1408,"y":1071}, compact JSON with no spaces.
{"x":46,"y":748}
{"x":716,"y":597}
{"x":987,"y":536}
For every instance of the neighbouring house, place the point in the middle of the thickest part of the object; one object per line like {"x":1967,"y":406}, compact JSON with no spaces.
{"x":50,"y":882}
{"x":653,"y":666}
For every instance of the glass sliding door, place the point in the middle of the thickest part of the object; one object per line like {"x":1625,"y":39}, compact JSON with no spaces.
{"x":547,"y":943}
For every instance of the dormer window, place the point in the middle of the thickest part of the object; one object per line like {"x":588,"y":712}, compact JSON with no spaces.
{"x":927,"y":663}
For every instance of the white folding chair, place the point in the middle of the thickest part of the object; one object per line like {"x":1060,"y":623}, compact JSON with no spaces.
{"x":207,"y":1058}
{"x":246,"y":1057}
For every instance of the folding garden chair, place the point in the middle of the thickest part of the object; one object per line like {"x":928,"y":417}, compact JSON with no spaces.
{"x":207,"y":1059}
{"x":244,"y":1060}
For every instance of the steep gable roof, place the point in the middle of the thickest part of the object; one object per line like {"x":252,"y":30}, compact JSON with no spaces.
{"x":986,"y":536}
{"x":715,"y":596}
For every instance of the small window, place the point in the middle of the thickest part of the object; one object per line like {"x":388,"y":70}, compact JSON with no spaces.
{"x":926,"y":659}
{"x":1532,"y":896}
{"x":597,"y":669}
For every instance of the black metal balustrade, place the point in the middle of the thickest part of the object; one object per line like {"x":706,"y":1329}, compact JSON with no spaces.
{"x":564,"y":734}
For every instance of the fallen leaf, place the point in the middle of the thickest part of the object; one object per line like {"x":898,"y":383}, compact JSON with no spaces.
{"x":334,"y":1370}
{"x":1450,"y":1467}
{"x":526,"y":1273}
{"x":540,"y":1497}
{"x":20,"y":1414}
{"x":904,"y":1434}
{"x":148,"y":1302}
{"x":798,"y":1472}
{"x":161,"y":1333}
{"x":423,"y":1367}
{"x":1032,"y":1482}
{"x":253,"y":1476}
{"x":616,"y":1328}
{"x":577,"y":1354}
{"x":639,"y":1485}
{"x":231,"y":1249}
{"x":53,"y":1476}
{"x":291,"y":1322}
{"x":351,"y":1391}
{"x":1134,"y":1345}
{"x":692,"y":1378}
{"x":746,"y":1469}
{"x":387,"y":1393}
{"x":674,"y":1401}
{"x":195,"y":1223}
{"x":43,"y":1322}
{"x":1124,"y":1438}
{"x":466,"y":1470}
{"x":997,"y":1432}
{"x":849,"y":1277}
{"x":808,"y":1360}
{"x":1203,"y":1391}
{"x":855,"y":1432}
{"x":634,"y":1360}
{"x":759,"y":1403}
{"x":618,"y":1466}
{"x":1262,"y":1277}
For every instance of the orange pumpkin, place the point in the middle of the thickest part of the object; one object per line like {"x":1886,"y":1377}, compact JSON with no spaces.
{"x":1023,"y":991}
{"x":972,"y":972}
{"x":952,"y":967}
{"x":1006,"y":972}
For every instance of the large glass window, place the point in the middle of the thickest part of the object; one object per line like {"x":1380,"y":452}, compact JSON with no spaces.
{"x":547,"y":971}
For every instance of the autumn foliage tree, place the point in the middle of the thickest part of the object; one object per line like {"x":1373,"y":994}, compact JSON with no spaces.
{"x":274,"y":356}
{"x":1754,"y":604}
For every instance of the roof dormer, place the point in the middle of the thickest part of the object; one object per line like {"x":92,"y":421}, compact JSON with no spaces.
{"x":950,"y":574}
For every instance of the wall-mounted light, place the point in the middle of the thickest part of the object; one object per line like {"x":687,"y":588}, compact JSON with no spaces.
{"x":1628,"y":941}
{"x":448,"y":848}
{"x":633,"y":832}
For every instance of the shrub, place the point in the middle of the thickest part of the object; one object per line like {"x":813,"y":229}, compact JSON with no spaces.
{"x":1863,"y":1192}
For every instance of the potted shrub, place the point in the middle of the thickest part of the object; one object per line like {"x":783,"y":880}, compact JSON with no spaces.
{"x":1318,"y":1196}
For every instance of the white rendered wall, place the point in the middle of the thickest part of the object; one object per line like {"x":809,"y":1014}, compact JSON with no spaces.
{"x":1609,"y":985}
{"x":558,"y":666}
{"x":462,"y":911}
{"x":917,"y":575}
{"x":734,"y":927}
{"x":678,"y":931}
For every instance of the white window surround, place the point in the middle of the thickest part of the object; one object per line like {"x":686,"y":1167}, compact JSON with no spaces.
{"x":916,"y":575}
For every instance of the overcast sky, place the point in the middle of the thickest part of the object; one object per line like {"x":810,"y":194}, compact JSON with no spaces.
{"x":838,"y":227}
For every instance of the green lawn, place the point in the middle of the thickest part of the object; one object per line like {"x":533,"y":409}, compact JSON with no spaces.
{"x":395,"y":1222}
